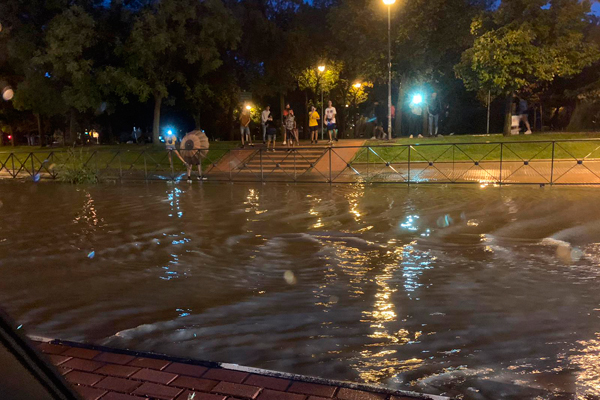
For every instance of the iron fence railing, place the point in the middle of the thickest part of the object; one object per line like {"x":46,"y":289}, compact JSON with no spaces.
{"x":554,"y":162}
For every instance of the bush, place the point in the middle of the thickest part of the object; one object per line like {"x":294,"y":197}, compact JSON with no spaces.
{"x":73,"y":168}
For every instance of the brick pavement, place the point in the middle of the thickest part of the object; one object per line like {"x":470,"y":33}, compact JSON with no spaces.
{"x":108,"y":374}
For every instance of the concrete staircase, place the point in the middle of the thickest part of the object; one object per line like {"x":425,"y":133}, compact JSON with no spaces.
{"x":282,"y":161}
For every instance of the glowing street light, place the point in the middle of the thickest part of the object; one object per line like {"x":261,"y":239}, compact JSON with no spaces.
{"x":321,"y":68}
{"x":7,"y":93}
{"x":357,"y":85}
{"x":417,"y":99}
{"x":248,"y":107}
{"x":389,"y":4}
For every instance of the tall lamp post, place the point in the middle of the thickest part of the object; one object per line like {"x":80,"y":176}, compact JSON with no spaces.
{"x":357,"y":87}
{"x":321,"y":69}
{"x":389,"y":4}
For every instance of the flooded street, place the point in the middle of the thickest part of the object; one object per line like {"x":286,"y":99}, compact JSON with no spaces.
{"x":474,"y":292}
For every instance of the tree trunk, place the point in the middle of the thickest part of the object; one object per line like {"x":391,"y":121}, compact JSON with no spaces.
{"x":197,"y":120}
{"x":229,"y":121}
{"x":156,"y":123}
{"x":343,"y":115}
{"x":508,"y":114}
{"x":39,"y":127}
{"x":398,"y":122}
{"x":306,"y":127}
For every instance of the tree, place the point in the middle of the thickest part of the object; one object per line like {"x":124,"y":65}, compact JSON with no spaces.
{"x":36,"y":94}
{"x":70,"y":63}
{"x":166,"y":36}
{"x":522,"y":44}
{"x":428,"y":37}
{"x":314,"y":80}
{"x":24,"y":25}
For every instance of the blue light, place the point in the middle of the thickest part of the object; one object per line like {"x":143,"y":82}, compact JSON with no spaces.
{"x":169,"y":132}
{"x":417,"y":99}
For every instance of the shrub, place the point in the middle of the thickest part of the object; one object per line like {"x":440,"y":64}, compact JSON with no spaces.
{"x":73,"y":169}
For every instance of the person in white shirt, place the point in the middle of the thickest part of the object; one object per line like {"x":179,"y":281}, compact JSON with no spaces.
{"x":330,"y":114}
{"x":265,"y":117}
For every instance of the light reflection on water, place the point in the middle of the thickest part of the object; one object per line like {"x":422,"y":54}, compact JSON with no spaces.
{"x":468,"y":291}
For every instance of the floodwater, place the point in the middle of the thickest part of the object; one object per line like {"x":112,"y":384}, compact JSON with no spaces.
{"x":474,"y":292}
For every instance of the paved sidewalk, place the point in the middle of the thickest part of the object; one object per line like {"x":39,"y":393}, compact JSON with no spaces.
{"x":100,"y":373}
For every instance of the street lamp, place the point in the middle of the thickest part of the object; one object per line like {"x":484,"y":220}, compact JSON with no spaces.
{"x":357,"y":85}
{"x":248,"y":107}
{"x":389,"y":4}
{"x":321,"y":69}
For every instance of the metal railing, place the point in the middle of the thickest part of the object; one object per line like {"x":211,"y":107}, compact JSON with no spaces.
{"x":553,"y":162}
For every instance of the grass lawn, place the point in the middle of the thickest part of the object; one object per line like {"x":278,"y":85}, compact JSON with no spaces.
{"x":484,"y":148}
{"x":124,"y":156}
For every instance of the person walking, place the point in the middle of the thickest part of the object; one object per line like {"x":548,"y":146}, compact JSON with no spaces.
{"x":264,"y":119}
{"x":434,"y":108}
{"x":416,"y":119}
{"x":523,"y":112}
{"x":330,"y":120}
{"x":290,"y":128}
{"x":245,"y":128}
{"x":313,"y":125}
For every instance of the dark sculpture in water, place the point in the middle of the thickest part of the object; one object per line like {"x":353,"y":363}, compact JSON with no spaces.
{"x":193,"y":148}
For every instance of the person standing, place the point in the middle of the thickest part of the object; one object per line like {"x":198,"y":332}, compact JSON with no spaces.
{"x":290,"y":127}
{"x":416,"y":119}
{"x":523,"y":110}
{"x":330,"y":120}
{"x":271,"y":134}
{"x":313,"y":125}
{"x":434,"y":108}
{"x":264,"y":119}
{"x":287,"y":110}
{"x":245,"y":128}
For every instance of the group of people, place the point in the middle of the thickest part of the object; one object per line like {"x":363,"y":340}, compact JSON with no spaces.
{"x":433,"y":108}
{"x":290,"y":128}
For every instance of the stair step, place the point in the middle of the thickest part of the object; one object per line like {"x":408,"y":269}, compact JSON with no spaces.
{"x":271,"y":166}
{"x":281,"y":160}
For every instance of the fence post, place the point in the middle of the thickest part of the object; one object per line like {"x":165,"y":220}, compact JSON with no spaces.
{"x":408,"y":181}
{"x":552,"y":165}
{"x":501,"y":153}
{"x":145,"y":166}
{"x":12,"y":158}
{"x":368,"y":151}
{"x":453,"y":160}
{"x":330,"y":149}
{"x":172,"y":165}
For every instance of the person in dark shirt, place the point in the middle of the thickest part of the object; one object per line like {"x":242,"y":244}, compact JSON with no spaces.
{"x":434,"y":108}
{"x":522,"y":110}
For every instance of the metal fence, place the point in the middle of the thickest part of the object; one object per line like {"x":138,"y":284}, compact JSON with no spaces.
{"x":556,"y":162}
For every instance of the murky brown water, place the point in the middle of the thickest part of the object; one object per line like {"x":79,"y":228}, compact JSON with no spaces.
{"x":453,"y":290}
